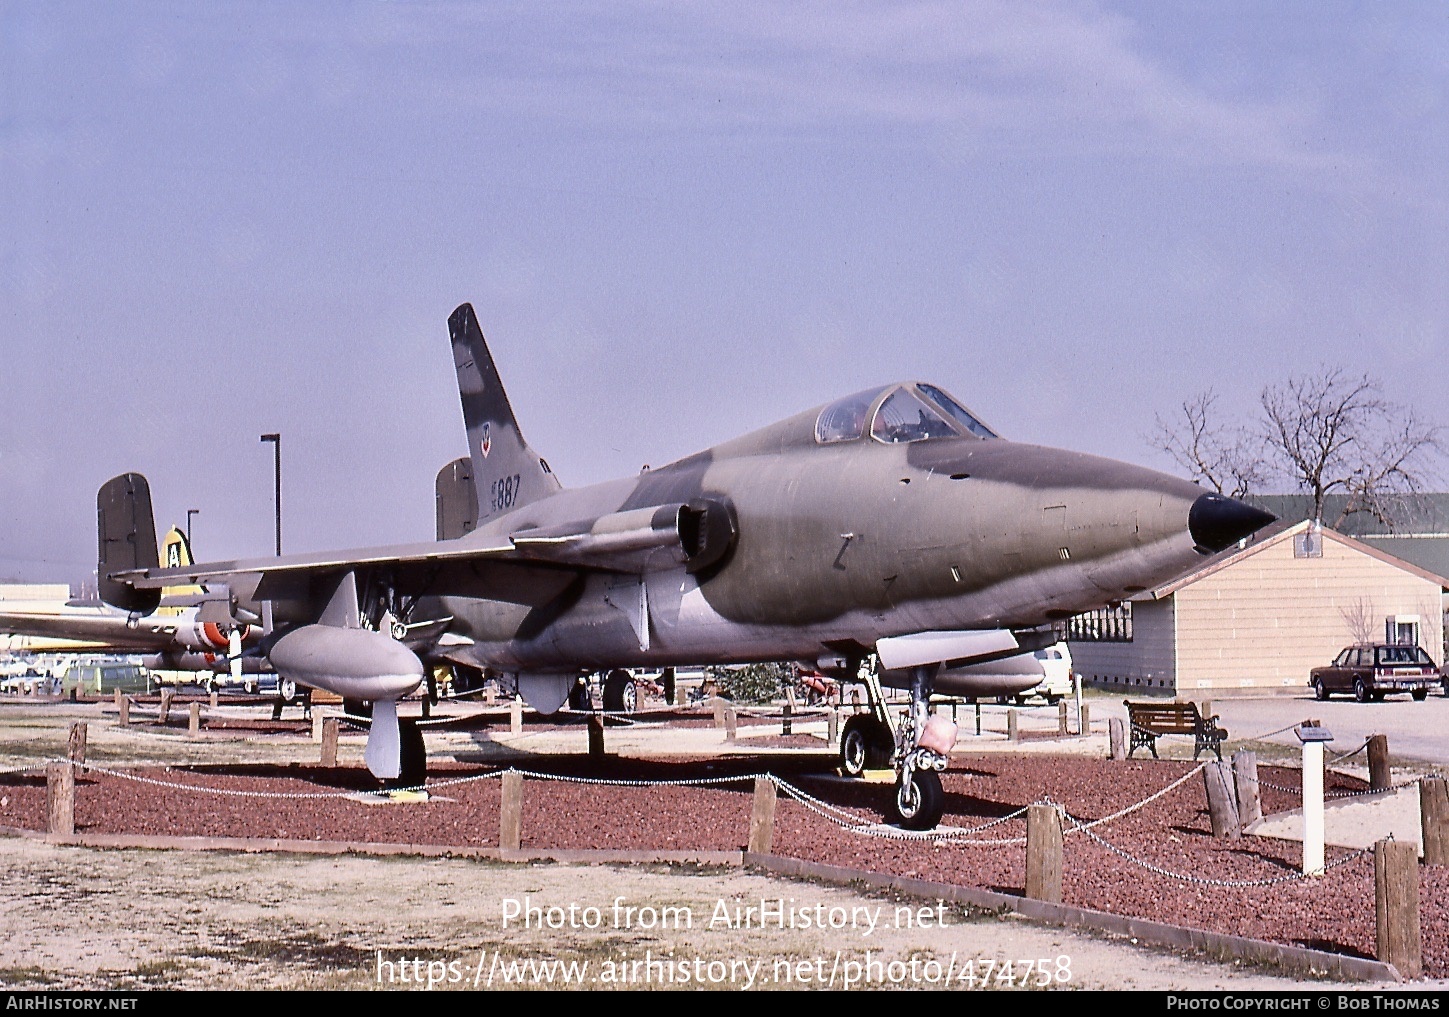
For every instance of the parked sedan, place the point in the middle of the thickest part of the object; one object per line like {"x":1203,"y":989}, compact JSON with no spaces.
{"x":1374,"y":670}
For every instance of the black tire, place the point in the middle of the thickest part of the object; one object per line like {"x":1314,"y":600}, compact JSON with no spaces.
{"x":1053,"y":700}
{"x":920,"y":800}
{"x":854,"y":747}
{"x":865,"y":744}
{"x":1420,"y":695}
{"x":1360,"y":691}
{"x":413,"y":772}
{"x":1320,"y":691}
{"x":620,"y":695}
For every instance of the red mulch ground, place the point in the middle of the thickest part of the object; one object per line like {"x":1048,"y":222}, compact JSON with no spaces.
{"x":1173,"y":834}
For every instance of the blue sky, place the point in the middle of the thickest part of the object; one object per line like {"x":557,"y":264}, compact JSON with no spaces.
{"x":677,"y":222}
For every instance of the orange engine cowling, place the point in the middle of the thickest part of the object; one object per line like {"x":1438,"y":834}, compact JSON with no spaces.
{"x":210,"y":636}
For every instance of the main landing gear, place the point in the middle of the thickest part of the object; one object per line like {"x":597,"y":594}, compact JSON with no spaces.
{"x":867,"y":743}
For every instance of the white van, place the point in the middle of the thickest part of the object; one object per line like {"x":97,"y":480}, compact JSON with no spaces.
{"x":1058,"y":680}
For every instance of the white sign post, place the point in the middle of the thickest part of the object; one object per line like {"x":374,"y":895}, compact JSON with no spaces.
{"x":1313,"y":736}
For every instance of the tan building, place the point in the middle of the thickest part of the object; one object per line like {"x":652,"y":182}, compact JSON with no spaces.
{"x":1257,"y":619}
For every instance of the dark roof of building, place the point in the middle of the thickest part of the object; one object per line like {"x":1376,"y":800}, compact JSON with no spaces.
{"x":1277,"y":533}
{"x":1418,"y":532}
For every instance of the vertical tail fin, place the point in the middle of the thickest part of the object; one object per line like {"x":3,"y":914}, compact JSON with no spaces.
{"x":507,"y":473}
{"x":175,"y":549}
{"x":456,"y":499}
{"x":176,"y":553}
{"x":127,"y":540}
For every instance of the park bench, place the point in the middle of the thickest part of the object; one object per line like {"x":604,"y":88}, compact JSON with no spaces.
{"x":1149,"y":720}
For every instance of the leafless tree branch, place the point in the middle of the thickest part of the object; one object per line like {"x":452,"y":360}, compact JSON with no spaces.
{"x":1229,"y":459}
{"x":1336,"y":432}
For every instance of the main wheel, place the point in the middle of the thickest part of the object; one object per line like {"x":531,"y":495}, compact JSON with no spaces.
{"x":1320,"y":691}
{"x":1360,"y":690}
{"x":1420,"y":694}
{"x":864,"y":745}
{"x":620,"y":695}
{"x":920,"y":800}
{"x":854,"y":747}
{"x":286,"y":689}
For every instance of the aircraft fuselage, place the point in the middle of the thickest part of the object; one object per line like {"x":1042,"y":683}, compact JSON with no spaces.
{"x":842,"y":545}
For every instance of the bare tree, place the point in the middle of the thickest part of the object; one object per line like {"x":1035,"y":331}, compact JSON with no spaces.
{"x":1336,"y":432}
{"x":1230,"y":459}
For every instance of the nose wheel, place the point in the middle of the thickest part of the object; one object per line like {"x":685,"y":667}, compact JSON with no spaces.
{"x":867,"y":742}
{"x":920,"y":800}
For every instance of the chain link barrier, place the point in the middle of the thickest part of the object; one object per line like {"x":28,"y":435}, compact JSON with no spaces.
{"x":1077,"y":825}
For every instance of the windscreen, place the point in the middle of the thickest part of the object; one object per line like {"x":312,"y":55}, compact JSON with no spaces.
{"x":962,"y":416}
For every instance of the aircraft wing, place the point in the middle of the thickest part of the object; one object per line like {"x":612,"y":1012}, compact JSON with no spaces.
{"x":529,"y":566}
{"x":103,"y":631}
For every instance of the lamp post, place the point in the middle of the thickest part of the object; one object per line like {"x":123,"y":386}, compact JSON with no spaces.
{"x":189,"y":514}
{"x":276,"y":440}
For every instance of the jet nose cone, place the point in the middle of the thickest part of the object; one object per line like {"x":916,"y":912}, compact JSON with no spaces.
{"x":1217,"y":521}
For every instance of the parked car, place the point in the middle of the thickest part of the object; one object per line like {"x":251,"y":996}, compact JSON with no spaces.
{"x":1374,"y":670}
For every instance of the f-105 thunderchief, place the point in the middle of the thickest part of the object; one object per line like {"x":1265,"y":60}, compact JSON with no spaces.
{"x":888,"y":537}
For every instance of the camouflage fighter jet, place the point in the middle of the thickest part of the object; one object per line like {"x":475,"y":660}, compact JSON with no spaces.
{"x":889,"y":537}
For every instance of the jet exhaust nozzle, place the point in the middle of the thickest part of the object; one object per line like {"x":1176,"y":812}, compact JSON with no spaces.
{"x":1217,"y":522}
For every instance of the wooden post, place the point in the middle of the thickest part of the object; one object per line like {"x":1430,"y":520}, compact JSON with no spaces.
{"x":1062,"y":728}
{"x":762,"y":816}
{"x":1245,"y":779}
{"x":1084,"y":720}
{"x":510,"y":814}
{"x":669,"y":685}
{"x":596,"y":736}
{"x":515,"y":716}
{"x":123,"y":708}
{"x":215,"y":699}
{"x":1222,"y":809}
{"x":729,"y":721}
{"x":166,"y":695}
{"x":719,"y":711}
{"x":1044,"y":853}
{"x":317,"y":728}
{"x":76,"y":749}
{"x":785,"y":720}
{"x":193,"y":721}
{"x":329,"y":741}
{"x":1434,"y":819}
{"x":60,"y":799}
{"x":1011,"y":732}
{"x":1378,"y":760}
{"x":832,"y":726}
{"x":1117,"y":737}
{"x":1396,"y":906}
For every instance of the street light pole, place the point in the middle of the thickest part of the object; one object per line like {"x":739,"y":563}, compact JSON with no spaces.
{"x":189,"y":514}
{"x":276,"y":440}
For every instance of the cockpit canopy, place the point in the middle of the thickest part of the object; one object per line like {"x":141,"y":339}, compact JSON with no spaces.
{"x":903,"y":413}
